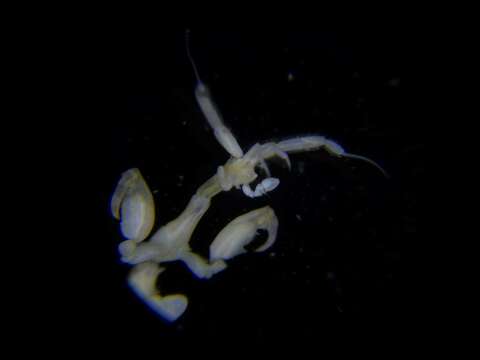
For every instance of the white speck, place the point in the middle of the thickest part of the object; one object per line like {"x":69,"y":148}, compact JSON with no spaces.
{"x":272,"y":254}
{"x":184,"y":122}
{"x":290,"y":77}
{"x":299,"y":218}
{"x":155,"y":191}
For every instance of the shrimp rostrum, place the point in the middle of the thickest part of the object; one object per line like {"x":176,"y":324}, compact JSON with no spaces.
{"x":133,"y":204}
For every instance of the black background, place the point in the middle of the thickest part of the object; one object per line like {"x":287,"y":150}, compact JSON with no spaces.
{"x":345,"y":255}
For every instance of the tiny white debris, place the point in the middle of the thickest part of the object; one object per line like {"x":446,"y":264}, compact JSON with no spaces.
{"x":290,"y":77}
{"x":299,"y":218}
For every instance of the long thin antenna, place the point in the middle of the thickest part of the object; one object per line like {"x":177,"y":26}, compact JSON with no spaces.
{"x":353,"y":156}
{"x":187,"y":46}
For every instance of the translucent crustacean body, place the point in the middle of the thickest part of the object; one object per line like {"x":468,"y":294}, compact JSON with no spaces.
{"x":132,"y":203}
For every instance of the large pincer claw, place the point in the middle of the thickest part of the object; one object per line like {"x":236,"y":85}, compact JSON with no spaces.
{"x":231,"y":241}
{"x":132,"y":203}
{"x":142,"y":280}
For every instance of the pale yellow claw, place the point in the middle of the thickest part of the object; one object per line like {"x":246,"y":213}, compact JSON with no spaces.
{"x":231,"y":241}
{"x":142,"y":279}
{"x":132,"y":203}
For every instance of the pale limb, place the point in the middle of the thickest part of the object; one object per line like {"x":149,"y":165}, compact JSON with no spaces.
{"x":263,"y":165}
{"x":223,"y":135}
{"x":311,"y":143}
{"x":210,"y":188}
{"x":231,"y":241}
{"x":177,"y":233}
{"x":301,"y":144}
{"x":133,"y":253}
{"x":241,"y":172}
{"x":170,"y":242}
{"x":223,"y":179}
{"x":142,"y":280}
{"x":260,"y":152}
{"x":200,"y":266}
{"x":132,"y":202}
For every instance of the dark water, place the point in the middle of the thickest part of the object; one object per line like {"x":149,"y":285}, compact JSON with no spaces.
{"x":345,"y":251}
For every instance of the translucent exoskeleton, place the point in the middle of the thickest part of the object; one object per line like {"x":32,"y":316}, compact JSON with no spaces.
{"x":132,"y":202}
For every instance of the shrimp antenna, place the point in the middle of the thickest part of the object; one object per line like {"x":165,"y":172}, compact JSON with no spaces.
{"x":187,"y":46}
{"x":359,"y":157}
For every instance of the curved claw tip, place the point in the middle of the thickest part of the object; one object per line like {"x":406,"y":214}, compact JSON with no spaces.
{"x":289,"y":164}
{"x":170,"y":307}
{"x":286,"y":158}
